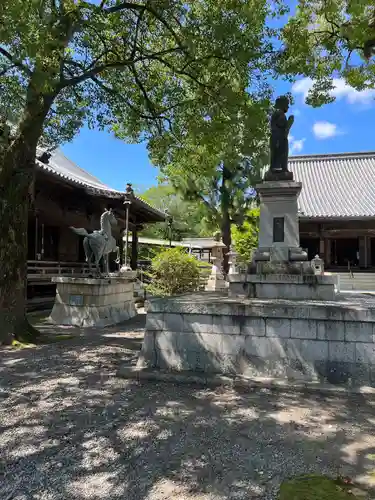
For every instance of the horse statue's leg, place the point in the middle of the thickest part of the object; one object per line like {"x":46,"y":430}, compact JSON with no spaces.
{"x":117,"y":250}
{"x":88,"y":252}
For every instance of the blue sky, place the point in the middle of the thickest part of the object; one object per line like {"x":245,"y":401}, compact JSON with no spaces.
{"x":343,"y":126}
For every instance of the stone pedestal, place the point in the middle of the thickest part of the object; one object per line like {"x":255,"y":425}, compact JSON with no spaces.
{"x":282,"y":286}
{"x":278,"y":224}
{"x":93,"y":302}
{"x":282,"y":270}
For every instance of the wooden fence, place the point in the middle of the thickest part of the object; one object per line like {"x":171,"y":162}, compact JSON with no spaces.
{"x":40,"y":272}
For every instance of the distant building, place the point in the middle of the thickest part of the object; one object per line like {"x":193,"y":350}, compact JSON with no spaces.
{"x":200,"y":247}
{"x":337,"y":207}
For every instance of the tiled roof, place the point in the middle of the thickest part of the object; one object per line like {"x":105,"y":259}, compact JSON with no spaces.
{"x":60,"y":166}
{"x":336,"y":185}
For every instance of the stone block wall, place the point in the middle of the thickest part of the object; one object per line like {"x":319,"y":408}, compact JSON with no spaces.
{"x":91,"y":302}
{"x":309,"y":341}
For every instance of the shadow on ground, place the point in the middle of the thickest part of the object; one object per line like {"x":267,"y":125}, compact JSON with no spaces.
{"x":69,"y":429}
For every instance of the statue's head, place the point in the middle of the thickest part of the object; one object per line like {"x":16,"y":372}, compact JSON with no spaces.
{"x":282,"y":103}
{"x":109,"y":214}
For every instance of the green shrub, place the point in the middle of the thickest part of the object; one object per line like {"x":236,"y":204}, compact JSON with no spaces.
{"x":313,"y":487}
{"x":173,"y":272}
{"x":245,"y":238}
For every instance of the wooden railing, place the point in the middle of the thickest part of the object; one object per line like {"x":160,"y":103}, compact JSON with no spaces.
{"x":41,"y":271}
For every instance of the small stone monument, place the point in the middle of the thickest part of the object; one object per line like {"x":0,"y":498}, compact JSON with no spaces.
{"x":232,"y":255}
{"x":216,"y":280}
{"x":282,"y":269}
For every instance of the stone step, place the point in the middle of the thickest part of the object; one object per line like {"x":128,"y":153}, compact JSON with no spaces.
{"x":359,"y":281}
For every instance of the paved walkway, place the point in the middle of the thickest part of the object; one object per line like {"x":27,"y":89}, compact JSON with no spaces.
{"x":69,"y":429}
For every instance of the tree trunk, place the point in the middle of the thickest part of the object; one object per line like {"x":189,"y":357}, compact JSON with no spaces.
{"x":225,"y":218}
{"x":17,"y":163}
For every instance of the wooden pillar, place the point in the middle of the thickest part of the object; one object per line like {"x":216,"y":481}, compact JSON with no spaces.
{"x":134,"y":252}
{"x":362,"y":251}
{"x":368,"y":252}
{"x":327,"y":252}
{"x":322,"y":247}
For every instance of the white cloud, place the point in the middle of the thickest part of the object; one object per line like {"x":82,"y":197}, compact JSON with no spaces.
{"x":325,"y":130}
{"x":341,"y":91}
{"x":295,"y":145}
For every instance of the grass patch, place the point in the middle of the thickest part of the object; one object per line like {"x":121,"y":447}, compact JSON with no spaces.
{"x":314,"y":487}
{"x":21,"y":345}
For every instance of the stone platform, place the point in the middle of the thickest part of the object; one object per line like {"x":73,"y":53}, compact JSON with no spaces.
{"x":93,"y":302}
{"x":283,"y":286}
{"x":301,"y":340}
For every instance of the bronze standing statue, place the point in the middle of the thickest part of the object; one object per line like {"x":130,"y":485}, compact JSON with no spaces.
{"x":279,"y":144}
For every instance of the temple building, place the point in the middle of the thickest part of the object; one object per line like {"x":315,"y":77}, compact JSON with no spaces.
{"x":64,"y":195}
{"x":337,"y":208}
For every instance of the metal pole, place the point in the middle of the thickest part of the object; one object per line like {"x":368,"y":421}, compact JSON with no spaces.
{"x":127,"y":209}
{"x":126,"y":233}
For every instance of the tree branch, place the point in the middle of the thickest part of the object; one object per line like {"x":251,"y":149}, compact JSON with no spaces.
{"x":126,"y":63}
{"x":16,"y":63}
{"x":137,"y":7}
{"x":95,"y":71}
{"x":112,"y":92}
{"x":139,"y":20}
{"x":179,"y":72}
{"x":149,"y":103}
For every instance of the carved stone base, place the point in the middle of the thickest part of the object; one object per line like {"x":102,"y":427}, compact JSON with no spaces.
{"x":88,"y":302}
{"x":282,"y":286}
{"x":280,"y":175}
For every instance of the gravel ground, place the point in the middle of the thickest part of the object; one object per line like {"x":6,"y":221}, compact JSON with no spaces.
{"x":69,"y":429}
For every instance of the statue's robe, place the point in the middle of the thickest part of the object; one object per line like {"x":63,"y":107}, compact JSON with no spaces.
{"x":279,"y":146}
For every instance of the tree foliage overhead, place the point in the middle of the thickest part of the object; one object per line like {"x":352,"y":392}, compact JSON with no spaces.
{"x":331,"y":38}
{"x":128,"y":65}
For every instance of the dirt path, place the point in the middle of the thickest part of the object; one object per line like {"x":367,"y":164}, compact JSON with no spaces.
{"x":69,"y":429}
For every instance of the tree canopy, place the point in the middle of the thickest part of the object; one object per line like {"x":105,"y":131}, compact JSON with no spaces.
{"x":330,"y":39}
{"x":188,"y":218}
{"x":127,"y":65}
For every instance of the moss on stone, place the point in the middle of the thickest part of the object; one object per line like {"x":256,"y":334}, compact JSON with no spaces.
{"x":315,"y":487}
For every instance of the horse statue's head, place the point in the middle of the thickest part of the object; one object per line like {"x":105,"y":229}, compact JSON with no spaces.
{"x":108,"y":219}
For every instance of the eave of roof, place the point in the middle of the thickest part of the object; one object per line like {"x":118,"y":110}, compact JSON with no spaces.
{"x":61,"y":167}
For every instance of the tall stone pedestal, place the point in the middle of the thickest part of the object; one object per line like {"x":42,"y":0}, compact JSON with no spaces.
{"x":278,"y":224}
{"x":93,"y":302}
{"x":282,"y":270}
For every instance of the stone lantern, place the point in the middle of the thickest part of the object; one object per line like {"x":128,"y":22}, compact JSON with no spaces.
{"x":317,"y":265}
